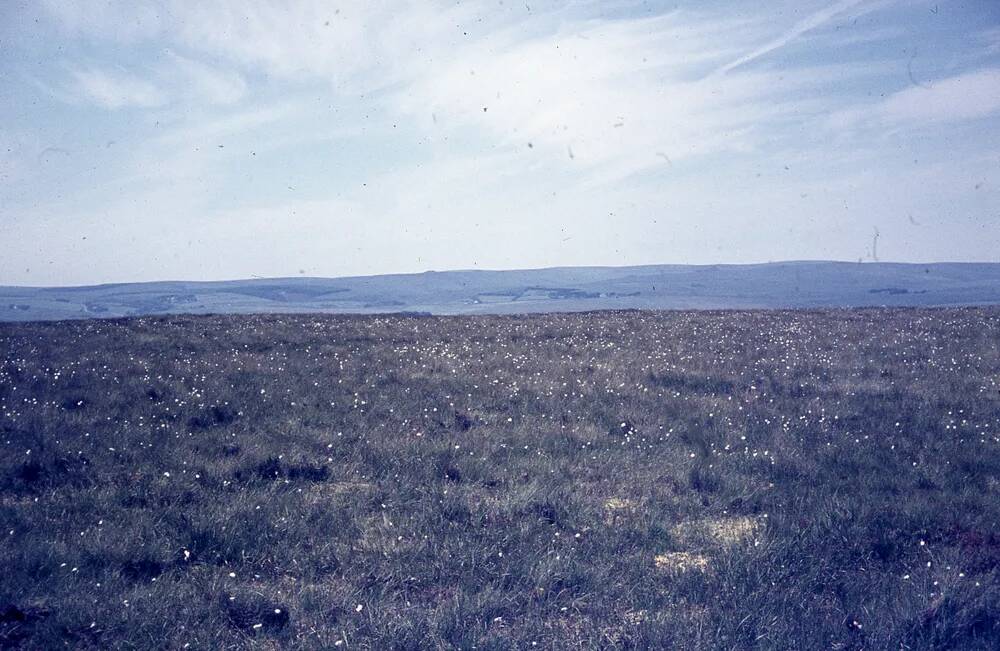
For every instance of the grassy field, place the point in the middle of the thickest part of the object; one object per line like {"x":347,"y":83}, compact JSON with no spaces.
{"x":708,"y":480}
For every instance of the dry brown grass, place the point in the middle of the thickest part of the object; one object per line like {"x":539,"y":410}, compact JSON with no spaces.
{"x":681,"y":562}
{"x":619,"y":509}
{"x":719,"y":532}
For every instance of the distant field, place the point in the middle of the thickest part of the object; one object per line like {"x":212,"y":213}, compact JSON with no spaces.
{"x":693,"y":480}
{"x":777,"y":285}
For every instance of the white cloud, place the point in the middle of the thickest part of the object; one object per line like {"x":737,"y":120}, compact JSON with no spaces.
{"x":200,"y":81}
{"x":610,"y":97}
{"x":807,"y":24}
{"x":963,"y":97}
{"x":968,"y":96}
{"x":208,"y":132}
{"x":173,"y":79}
{"x":123,"y":20}
{"x":298,"y":39}
{"x":623,"y":97}
{"x":115,"y":89}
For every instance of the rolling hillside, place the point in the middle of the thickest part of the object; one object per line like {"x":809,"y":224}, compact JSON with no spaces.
{"x":772,"y":285}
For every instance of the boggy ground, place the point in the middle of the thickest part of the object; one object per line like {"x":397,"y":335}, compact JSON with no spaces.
{"x":693,"y":480}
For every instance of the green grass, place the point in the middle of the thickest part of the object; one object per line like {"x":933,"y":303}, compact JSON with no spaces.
{"x":707,"y":480}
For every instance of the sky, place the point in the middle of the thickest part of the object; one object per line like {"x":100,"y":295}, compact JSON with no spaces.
{"x":240,"y":138}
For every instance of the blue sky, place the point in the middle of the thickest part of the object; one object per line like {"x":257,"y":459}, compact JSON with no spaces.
{"x":182,"y":140}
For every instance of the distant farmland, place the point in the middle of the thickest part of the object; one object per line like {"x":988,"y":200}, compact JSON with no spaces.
{"x":778,"y":285}
{"x":700,"y":480}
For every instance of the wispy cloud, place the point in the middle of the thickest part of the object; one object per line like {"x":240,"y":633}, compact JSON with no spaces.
{"x":613,"y":99}
{"x":807,"y":24}
{"x":122,"y":20}
{"x":210,"y":132}
{"x":968,"y":96}
{"x":115,"y":89}
{"x":200,"y":81}
{"x":170,"y":79}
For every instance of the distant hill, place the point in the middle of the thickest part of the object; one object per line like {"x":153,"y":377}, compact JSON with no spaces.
{"x":772,"y":285}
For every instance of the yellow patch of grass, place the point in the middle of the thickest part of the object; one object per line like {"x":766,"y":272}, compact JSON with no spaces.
{"x":681,"y":562}
{"x":719,"y":532}
{"x":618,"y":508}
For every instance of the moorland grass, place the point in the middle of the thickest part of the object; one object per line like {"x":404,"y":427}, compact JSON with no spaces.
{"x":692,"y":480}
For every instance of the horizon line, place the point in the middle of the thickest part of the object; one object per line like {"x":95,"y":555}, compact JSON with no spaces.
{"x":253,"y":278}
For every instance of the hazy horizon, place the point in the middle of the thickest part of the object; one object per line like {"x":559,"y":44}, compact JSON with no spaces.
{"x":518,"y":269}
{"x":155,"y":141}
